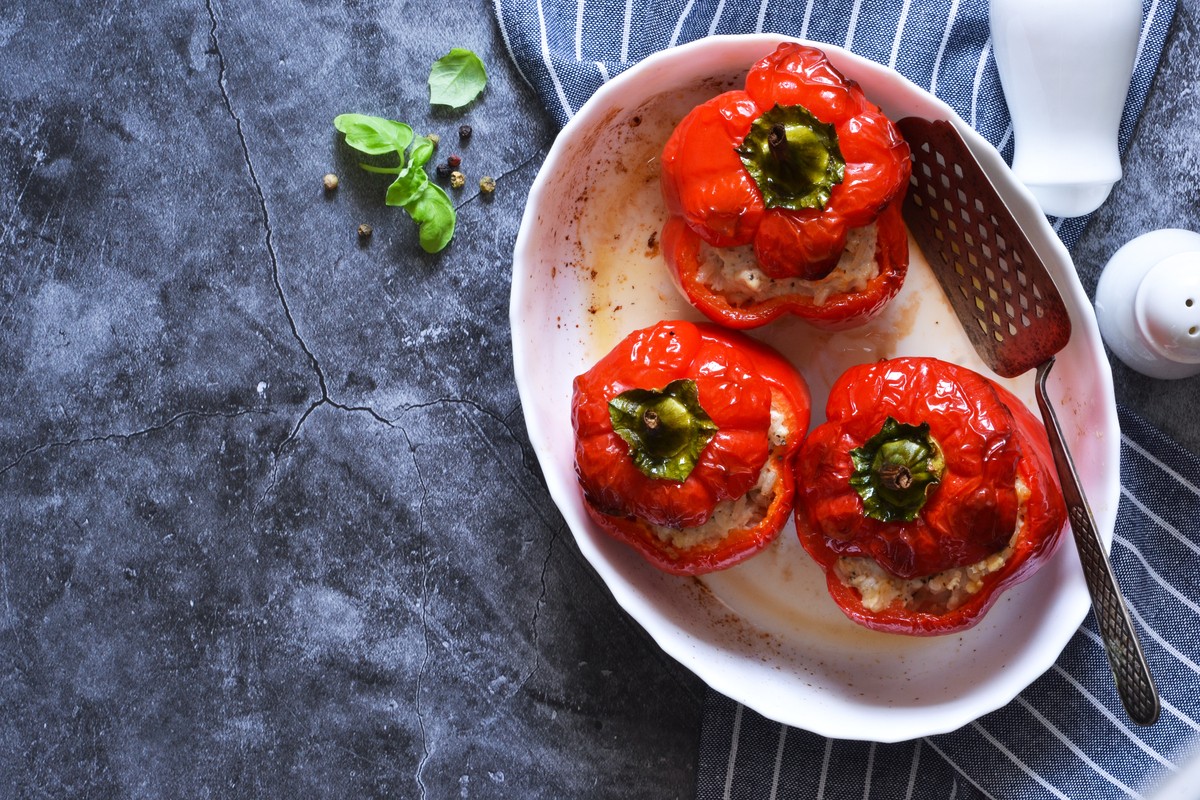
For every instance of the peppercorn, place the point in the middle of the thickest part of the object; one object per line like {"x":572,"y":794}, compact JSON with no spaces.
{"x":330,"y":182}
{"x":364,"y":231}
{"x":457,"y":179}
{"x":453,"y":161}
{"x":464,"y":133}
{"x":433,"y":137}
{"x":443,"y":172}
{"x":487,"y":184}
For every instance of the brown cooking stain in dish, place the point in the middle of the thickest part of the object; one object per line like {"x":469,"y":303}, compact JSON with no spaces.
{"x":599,"y":130}
{"x":620,"y":196}
{"x":622,"y":218}
{"x":765,"y":646}
{"x":865,"y":653}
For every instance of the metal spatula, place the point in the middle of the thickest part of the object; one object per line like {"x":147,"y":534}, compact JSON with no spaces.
{"x":1015,"y":317}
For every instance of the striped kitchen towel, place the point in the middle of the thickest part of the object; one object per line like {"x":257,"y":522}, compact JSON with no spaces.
{"x":566,"y":49}
{"x":1063,"y":737}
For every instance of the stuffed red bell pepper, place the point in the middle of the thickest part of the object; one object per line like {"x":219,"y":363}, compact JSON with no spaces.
{"x":927,"y":493}
{"x":684,"y":436}
{"x":785,"y":197}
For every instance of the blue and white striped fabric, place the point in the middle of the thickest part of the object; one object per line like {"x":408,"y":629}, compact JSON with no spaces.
{"x":1066,"y":736}
{"x":566,"y":49}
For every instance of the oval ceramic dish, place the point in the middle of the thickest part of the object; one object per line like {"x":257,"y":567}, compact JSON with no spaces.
{"x":587,"y":271}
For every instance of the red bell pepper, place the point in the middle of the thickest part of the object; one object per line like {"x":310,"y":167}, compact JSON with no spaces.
{"x":927,"y":492}
{"x":676,"y":451}
{"x":791,"y":165}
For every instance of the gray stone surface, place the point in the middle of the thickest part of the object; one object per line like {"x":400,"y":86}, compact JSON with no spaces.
{"x":269,"y":524}
{"x":269,"y":521}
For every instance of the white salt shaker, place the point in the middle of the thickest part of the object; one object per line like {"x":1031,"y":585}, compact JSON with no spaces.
{"x":1065,"y":66}
{"x":1148,"y":303}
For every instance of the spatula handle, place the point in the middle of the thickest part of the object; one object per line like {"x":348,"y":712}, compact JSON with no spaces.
{"x":1134,"y":684}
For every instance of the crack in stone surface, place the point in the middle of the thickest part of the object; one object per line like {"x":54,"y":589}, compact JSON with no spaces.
{"x":262,"y":199}
{"x":328,"y":401}
{"x":537,"y":606}
{"x":528,"y":457}
{"x":540,"y":153}
{"x":108,"y":437}
{"x":277,"y":455}
{"x":522,"y":443}
{"x":326,"y":398}
{"x":425,"y":570}
{"x":501,"y":420}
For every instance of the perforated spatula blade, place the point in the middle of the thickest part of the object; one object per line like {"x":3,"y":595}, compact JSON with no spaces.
{"x":1015,"y":317}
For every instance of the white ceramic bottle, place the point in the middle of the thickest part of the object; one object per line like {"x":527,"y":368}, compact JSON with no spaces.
{"x":1148,"y":303}
{"x":1065,"y":66}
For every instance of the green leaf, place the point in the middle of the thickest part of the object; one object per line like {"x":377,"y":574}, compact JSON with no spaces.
{"x":434,"y":212}
{"x":407,"y":187}
{"x":666,"y":429}
{"x":411,"y":181}
{"x":456,"y":79}
{"x":422,"y":151}
{"x":373,"y":135}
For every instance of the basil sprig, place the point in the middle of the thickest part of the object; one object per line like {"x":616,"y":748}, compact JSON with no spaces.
{"x":426,"y":202}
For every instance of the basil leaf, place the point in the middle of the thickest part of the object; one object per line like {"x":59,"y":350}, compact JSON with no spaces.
{"x":422,"y":151}
{"x":373,"y":135}
{"x":456,"y":79}
{"x":434,"y":212}
{"x":408,"y":185}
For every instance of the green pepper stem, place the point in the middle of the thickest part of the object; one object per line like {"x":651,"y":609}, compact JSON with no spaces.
{"x":793,"y":157}
{"x":895,"y":470}
{"x":666,"y":429}
{"x":777,"y":141}
{"x":896,"y":477}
